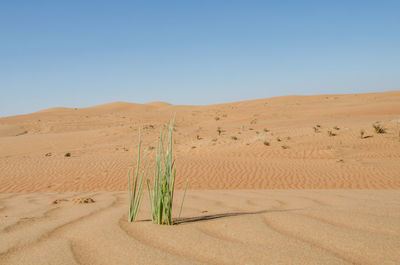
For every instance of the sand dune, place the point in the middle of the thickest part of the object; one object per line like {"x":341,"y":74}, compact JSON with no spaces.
{"x":72,"y":209}
{"x":262,"y":144}
{"x":217,"y":227}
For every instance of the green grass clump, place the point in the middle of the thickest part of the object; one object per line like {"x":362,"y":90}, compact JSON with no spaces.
{"x":135,"y":187}
{"x":161,"y":195}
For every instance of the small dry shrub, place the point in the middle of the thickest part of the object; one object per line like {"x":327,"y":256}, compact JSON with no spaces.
{"x":330,"y":133}
{"x":379,"y":128}
{"x":362,"y":133}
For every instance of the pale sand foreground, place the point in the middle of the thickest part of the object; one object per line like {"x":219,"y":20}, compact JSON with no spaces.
{"x":219,"y":227}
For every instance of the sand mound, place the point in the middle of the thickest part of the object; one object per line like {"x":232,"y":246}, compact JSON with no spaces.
{"x":56,"y":109}
{"x":159,"y":104}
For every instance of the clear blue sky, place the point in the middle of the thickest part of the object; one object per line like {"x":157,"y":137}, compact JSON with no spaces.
{"x":83,"y":53}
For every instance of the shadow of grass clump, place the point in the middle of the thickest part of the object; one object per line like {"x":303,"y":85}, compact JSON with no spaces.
{"x":224,"y":215}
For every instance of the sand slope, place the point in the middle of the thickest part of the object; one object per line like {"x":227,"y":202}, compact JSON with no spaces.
{"x":250,"y":146}
{"x":102,"y":141}
{"x":218,"y":227}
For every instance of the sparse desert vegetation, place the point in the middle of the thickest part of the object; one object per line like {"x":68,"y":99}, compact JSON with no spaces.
{"x":362,"y":133}
{"x":331,"y":133}
{"x":379,"y":128}
{"x":209,"y":156}
{"x":104,"y":176}
{"x":135,"y":186}
{"x":161,"y":190}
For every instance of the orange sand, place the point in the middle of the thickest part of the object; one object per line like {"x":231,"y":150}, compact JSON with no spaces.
{"x":102,"y":141}
{"x":73,"y":210}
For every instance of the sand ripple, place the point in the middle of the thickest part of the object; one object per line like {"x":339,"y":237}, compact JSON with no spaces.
{"x":217,"y":227}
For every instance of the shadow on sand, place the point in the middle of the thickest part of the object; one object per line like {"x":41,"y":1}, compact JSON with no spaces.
{"x":223,"y":215}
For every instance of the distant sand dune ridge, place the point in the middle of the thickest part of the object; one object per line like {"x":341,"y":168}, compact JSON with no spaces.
{"x":260,"y":144}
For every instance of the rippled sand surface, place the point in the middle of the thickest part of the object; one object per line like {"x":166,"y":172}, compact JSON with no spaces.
{"x":272,"y":143}
{"x":285,"y":180}
{"x":217,"y":227}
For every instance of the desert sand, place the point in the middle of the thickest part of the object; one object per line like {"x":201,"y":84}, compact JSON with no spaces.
{"x":218,"y":227}
{"x":285,"y":180}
